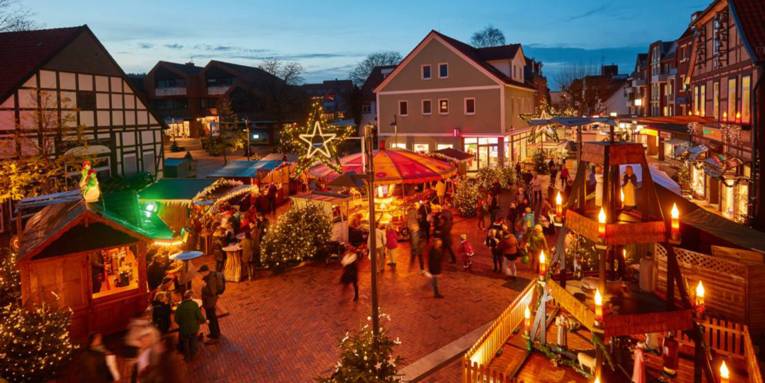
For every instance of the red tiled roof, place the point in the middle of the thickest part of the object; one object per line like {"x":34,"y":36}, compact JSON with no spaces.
{"x":23,"y":53}
{"x":750,"y":17}
{"x":477,"y":56}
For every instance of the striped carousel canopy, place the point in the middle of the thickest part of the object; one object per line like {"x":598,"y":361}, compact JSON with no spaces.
{"x":392,"y":166}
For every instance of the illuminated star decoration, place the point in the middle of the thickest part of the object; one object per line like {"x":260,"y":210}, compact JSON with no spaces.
{"x":317,"y":141}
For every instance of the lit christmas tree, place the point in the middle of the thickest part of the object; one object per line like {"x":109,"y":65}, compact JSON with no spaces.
{"x":296,"y":236}
{"x":362,"y":362}
{"x":34,"y":341}
{"x":466,"y":197}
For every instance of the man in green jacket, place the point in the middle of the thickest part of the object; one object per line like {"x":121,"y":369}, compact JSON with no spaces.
{"x":188,"y":315}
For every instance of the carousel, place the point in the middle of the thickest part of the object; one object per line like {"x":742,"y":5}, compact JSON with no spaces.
{"x":401,"y":179}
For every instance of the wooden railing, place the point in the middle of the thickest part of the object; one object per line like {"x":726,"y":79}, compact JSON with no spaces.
{"x":477,"y":358}
{"x":730,"y":340}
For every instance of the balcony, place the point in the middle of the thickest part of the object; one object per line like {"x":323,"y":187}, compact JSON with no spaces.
{"x":170,"y":91}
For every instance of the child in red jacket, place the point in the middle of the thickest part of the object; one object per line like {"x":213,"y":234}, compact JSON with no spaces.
{"x":466,"y":251}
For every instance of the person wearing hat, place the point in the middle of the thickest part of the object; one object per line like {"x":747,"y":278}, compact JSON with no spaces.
{"x":213,"y":284}
{"x":466,"y":251}
{"x":350,"y":275}
{"x":188,"y":316}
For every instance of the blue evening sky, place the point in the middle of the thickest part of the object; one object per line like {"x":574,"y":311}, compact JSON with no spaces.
{"x":329,"y":37}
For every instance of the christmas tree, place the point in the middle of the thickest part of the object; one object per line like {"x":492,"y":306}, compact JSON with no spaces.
{"x":296,"y":236}
{"x":362,"y":360}
{"x":34,"y":341}
{"x":466,"y":197}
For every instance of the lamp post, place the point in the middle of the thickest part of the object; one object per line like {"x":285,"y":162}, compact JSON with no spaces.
{"x":369,"y":134}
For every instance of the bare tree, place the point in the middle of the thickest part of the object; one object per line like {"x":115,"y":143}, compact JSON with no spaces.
{"x":282,"y":98}
{"x":490,"y":36}
{"x":14,"y":17}
{"x":364,"y":68}
{"x":580,"y":89}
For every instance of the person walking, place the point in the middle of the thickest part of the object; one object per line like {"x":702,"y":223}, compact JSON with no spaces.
{"x":350,"y":274}
{"x":564,"y":177}
{"x":491,"y":242}
{"x":528,"y":219}
{"x":248,"y":255}
{"x":447,"y":222}
{"x":512,"y":214}
{"x":509,"y":248}
{"x":415,"y":247}
{"x":214,"y":285}
{"x":217,"y":248}
{"x":97,"y":364}
{"x":493,"y":205}
{"x":391,"y":243}
{"x":481,"y":209}
{"x":423,"y":214}
{"x":188,"y":316}
{"x":161,"y":308}
{"x":466,"y":252}
{"x":435,"y":257}
{"x":271,"y":195}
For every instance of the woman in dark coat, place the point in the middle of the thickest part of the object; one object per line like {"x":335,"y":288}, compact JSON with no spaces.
{"x":350,"y":275}
{"x":435,"y":258}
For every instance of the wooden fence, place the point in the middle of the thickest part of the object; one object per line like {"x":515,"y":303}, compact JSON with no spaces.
{"x":730,"y":340}
{"x":477,"y":358}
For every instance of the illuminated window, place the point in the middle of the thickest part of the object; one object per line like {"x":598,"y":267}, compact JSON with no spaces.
{"x":703,"y":101}
{"x":398,"y":145}
{"x":443,"y":70}
{"x":421,"y":148}
{"x":426,"y":72}
{"x":443,"y":106}
{"x":113,"y":271}
{"x":444,"y":146}
{"x":746,"y":89}
{"x":470,"y":105}
{"x":716,"y":99}
{"x":732,"y":98}
{"x":403,"y":108}
{"x":427,"y":107}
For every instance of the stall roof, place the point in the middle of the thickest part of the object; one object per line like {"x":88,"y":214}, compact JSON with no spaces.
{"x":571,"y":121}
{"x":174,"y":189}
{"x":245,"y":168}
{"x":58,"y":229}
{"x":456,"y":154}
{"x":323,"y":197}
{"x":350,"y":180}
{"x":722,"y":228}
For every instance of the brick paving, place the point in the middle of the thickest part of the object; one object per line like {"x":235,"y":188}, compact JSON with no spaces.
{"x":285,"y":327}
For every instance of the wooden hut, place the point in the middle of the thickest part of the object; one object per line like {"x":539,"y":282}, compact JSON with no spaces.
{"x":80,"y":256}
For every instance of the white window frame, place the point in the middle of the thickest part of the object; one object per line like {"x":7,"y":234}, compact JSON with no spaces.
{"x":438,"y":106}
{"x":465,"y":105}
{"x":422,"y":106}
{"x":439,"y":70}
{"x":406,"y":102}
{"x":422,"y":72}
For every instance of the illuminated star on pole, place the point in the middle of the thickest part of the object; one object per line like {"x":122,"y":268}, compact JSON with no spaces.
{"x":317,"y":141}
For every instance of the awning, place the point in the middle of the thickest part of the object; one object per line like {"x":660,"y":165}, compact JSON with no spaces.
{"x":349,"y":180}
{"x":455,"y":154}
{"x":245,"y":168}
{"x":184,"y":189}
{"x":737,"y":234}
{"x":695,"y":151}
{"x":718,"y":165}
{"x":571,"y":121}
{"x":90,"y":150}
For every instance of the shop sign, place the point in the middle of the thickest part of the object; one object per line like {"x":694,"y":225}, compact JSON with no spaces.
{"x":712,"y":133}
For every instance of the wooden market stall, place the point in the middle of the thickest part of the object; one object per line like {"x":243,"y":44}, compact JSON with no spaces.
{"x":78,"y":255}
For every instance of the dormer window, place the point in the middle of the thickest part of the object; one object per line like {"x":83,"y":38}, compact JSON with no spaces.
{"x":443,"y":70}
{"x":426,"y":72}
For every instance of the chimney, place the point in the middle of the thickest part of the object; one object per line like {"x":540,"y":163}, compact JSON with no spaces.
{"x":609,"y":70}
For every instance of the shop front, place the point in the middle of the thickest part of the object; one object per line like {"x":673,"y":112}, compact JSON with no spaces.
{"x":485,"y":151}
